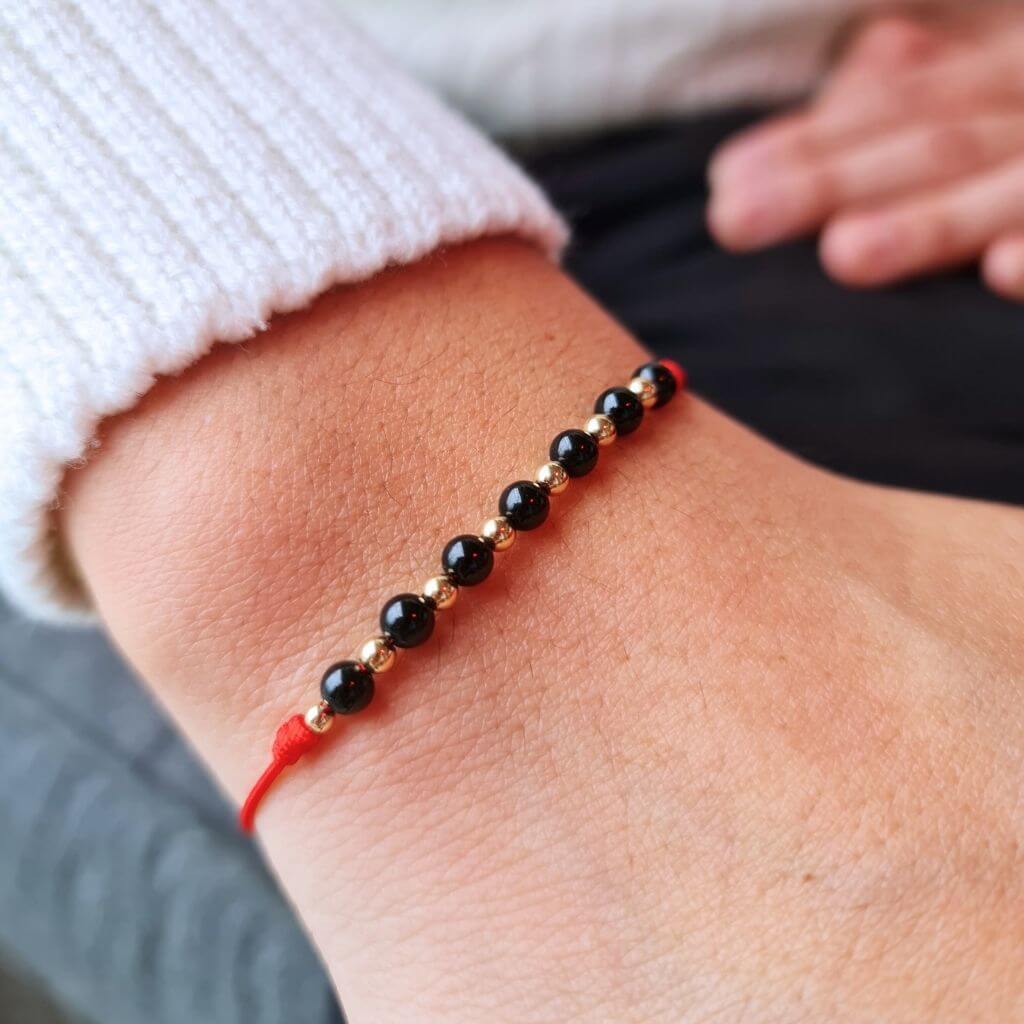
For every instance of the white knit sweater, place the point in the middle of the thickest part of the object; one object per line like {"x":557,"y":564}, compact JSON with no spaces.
{"x":173,"y":172}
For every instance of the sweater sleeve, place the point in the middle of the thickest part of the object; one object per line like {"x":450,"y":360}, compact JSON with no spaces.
{"x":171,"y":175}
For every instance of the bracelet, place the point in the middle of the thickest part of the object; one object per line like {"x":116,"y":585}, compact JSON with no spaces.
{"x":407,"y":620}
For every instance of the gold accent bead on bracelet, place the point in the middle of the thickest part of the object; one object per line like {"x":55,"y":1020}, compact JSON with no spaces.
{"x":319,"y":718}
{"x":644,"y":390}
{"x":553,"y":477}
{"x":440,"y":591}
{"x":601,"y":428}
{"x":499,"y":533}
{"x":378,"y":654}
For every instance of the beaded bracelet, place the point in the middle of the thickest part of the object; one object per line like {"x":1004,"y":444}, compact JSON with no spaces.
{"x":407,"y":620}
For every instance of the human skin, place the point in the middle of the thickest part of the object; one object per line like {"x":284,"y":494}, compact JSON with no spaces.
{"x":729,"y":738}
{"x":909,"y":160}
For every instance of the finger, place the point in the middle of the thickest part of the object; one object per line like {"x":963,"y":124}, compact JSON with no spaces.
{"x":738,"y":155}
{"x":1003,"y":266}
{"x":890,"y":43}
{"x":793,"y":197}
{"x":945,"y":88}
{"x":944,"y":228}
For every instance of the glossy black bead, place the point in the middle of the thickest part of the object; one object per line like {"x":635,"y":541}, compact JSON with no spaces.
{"x":662,"y":379}
{"x":524,"y":505}
{"x":622,"y":407}
{"x":408,"y":620}
{"x":347,"y":687}
{"x":467,"y":560}
{"x":576,"y":450}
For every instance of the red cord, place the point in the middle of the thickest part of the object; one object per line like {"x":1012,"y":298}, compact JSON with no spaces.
{"x":292,"y":739}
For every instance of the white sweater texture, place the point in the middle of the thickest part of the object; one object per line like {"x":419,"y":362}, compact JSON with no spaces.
{"x":174,"y":172}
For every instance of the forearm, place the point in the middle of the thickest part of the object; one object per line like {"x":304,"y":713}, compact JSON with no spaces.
{"x":586,"y":797}
{"x":240,"y":529}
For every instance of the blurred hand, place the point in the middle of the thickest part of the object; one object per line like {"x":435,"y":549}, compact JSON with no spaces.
{"x":910,"y":159}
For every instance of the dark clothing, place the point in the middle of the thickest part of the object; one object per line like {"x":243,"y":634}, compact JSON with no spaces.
{"x":920,"y":385}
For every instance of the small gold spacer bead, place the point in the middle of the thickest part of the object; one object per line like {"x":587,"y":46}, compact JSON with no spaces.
{"x":553,"y":477}
{"x":644,"y":390}
{"x":378,"y":654}
{"x":320,"y":717}
{"x":499,"y":533}
{"x":440,"y":591}
{"x":601,"y":429}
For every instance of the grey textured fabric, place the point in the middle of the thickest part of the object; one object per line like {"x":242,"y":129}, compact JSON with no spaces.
{"x":123,"y":880}
{"x":26,"y":1000}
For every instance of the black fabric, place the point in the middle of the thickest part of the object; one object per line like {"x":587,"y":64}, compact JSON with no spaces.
{"x":920,"y":385}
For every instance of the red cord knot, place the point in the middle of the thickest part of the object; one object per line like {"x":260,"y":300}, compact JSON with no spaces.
{"x":292,"y":739}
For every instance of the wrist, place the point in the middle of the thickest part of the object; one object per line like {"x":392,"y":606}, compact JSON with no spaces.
{"x":270,"y":499}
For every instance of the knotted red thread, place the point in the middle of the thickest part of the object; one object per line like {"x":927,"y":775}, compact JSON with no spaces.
{"x":292,"y":739}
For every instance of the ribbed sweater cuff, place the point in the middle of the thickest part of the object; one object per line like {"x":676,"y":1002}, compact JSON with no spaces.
{"x":173,"y":173}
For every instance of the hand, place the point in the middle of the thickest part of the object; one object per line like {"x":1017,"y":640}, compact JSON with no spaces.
{"x":727,"y":739}
{"x":910,"y":160}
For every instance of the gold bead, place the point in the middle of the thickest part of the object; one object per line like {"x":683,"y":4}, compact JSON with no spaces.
{"x":498,"y":532}
{"x":601,"y":429}
{"x":644,"y":390}
{"x":552,"y":476}
{"x":320,"y":717}
{"x":440,"y":591}
{"x":377,"y":654}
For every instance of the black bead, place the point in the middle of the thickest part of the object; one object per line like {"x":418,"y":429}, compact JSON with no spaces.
{"x":576,"y":450}
{"x":467,"y":560}
{"x":524,"y":505}
{"x":622,"y":407}
{"x":408,"y":620}
{"x":347,"y":687}
{"x":662,"y":379}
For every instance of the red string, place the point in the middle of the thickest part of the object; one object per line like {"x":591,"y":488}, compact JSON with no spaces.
{"x":292,"y":739}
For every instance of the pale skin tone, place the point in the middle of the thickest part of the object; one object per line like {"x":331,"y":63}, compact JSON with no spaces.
{"x":908,"y":161}
{"x":728,"y":739}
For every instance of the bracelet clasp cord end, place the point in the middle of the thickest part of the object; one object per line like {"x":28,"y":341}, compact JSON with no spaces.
{"x":293,"y":738}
